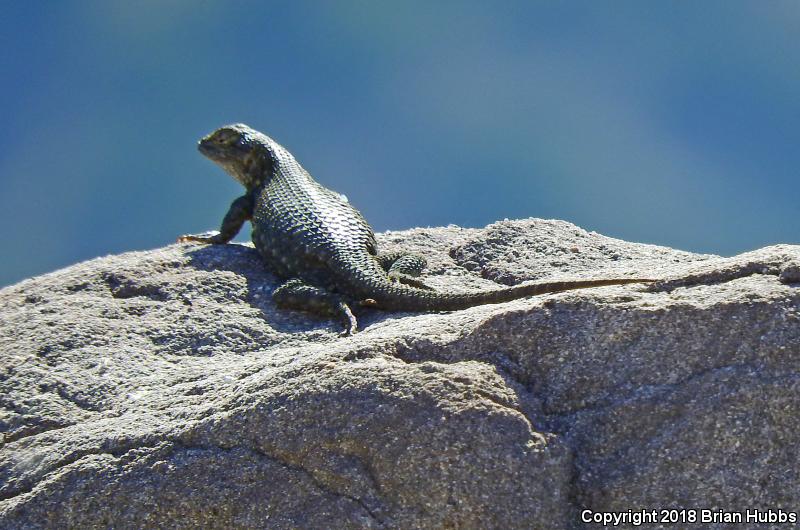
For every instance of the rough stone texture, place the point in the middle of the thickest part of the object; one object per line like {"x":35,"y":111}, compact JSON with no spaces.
{"x":163,"y":389}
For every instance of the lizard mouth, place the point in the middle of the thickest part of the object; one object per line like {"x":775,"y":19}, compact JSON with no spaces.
{"x":221,"y":154}
{"x":209,"y":149}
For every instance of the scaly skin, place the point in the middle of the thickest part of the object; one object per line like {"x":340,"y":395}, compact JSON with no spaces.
{"x":324,"y":247}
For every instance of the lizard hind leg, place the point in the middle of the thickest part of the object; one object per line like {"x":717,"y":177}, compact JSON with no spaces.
{"x":404,"y":268}
{"x":296,"y":294}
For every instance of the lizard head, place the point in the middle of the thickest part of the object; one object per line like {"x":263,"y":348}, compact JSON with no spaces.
{"x":241,"y":151}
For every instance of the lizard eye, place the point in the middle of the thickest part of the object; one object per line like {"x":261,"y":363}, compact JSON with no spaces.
{"x":224,"y":139}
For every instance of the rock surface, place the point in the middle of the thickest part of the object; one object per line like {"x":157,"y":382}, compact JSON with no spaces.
{"x":163,"y":389}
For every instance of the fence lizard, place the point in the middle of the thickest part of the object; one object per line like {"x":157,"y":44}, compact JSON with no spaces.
{"x":325,"y":249}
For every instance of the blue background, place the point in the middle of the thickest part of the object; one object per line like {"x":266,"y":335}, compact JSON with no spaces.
{"x":665,"y":122}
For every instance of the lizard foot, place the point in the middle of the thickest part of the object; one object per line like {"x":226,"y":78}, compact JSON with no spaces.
{"x":400,"y":277}
{"x":348,"y":319}
{"x":211,"y":237}
{"x":296,"y":294}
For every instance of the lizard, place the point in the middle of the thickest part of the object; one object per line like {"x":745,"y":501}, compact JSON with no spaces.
{"x":322,"y":247}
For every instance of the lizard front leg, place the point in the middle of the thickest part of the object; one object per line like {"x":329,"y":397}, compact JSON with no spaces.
{"x":296,"y":294}
{"x":241,"y":210}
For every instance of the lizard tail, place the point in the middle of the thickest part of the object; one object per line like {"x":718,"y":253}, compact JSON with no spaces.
{"x":404,"y":298}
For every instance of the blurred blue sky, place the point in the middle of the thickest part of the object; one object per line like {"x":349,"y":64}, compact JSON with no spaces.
{"x":674,"y":123}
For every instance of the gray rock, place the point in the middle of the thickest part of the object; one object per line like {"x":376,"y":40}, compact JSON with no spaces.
{"x":163,"y":389}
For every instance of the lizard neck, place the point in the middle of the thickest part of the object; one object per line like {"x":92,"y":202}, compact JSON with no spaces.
{"x":256,"y":170}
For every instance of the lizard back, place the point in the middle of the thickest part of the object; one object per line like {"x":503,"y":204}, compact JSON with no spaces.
{"x":305,"y":230}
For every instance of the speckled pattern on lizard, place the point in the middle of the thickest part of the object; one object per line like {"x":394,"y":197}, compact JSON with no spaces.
{"x":323,"y":247}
